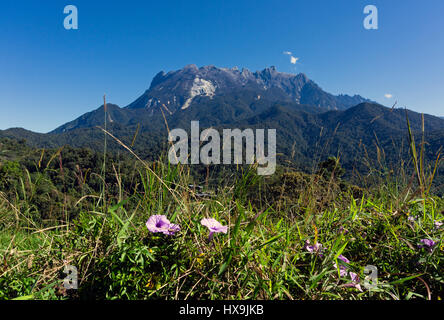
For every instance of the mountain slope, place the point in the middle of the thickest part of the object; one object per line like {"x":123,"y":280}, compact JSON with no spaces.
{"x":301,"y":135}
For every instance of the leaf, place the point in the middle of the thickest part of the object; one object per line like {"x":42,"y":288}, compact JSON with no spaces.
{"x":340,"y":251}
{"x":30,"y":297}
{"x":225,"y":265}
{"x":406,"y":279}
{"x":237,"y":225}
{"x":123,"y":232}
{"x":273,"y":239}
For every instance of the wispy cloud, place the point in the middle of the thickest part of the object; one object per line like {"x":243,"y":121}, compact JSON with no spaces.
{"x":388,"y":95}
{"x":287,"y":52}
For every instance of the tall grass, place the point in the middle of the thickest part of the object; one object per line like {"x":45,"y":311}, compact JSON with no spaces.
{"x":423,"y":174}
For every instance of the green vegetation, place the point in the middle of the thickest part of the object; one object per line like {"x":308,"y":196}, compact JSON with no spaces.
{"x":286,"y":232}
{"x":368,"y":136}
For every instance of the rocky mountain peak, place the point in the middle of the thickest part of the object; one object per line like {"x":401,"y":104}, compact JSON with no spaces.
{"x":177,"y":90}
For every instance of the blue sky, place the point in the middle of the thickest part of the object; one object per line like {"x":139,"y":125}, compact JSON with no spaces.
{"x":49,"y":75}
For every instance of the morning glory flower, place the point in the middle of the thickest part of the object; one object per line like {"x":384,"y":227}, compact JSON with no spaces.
{"x":160,"y":223}
{"x":354,"y":277}
{"x":355,"y":281}
{"x":316,"y":248}
{"x":214,"y":226}
{"x":427,"y":244}
{"x":343,"y":271}
{"x":342,"y":268}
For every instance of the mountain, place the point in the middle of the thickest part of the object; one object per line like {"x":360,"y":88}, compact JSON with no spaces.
{"x":311,"y":124}
{"x":180,"y":90}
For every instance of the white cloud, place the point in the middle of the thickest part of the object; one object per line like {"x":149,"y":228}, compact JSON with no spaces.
{"x":293,"y":60}
{"x":388,"y":95}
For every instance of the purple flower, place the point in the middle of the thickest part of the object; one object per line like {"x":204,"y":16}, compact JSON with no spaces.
{"x":343,"y":273}
{"x":437,"y":224}
{"x":354,"y":281}
{"x":342,"y":268}
{"x":354,"y":277}
{"x":317,"y":248}
{"x":341,"y":257}
{"x":214,"y":226}
{"x":160,"y":223}
{"x":411,"y":219}
{"x":427,"y":244}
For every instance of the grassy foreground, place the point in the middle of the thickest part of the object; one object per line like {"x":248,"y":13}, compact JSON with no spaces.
{"x":288,"y":238}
